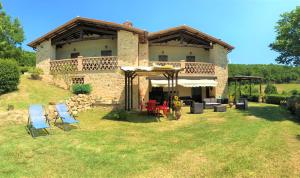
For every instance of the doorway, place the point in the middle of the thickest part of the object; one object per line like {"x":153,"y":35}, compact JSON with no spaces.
{"x":197,"y":94}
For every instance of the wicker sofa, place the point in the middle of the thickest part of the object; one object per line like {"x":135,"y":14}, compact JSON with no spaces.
{"x":196,"y":108}
{"x":209,"y":103}
{"x":242,"y":103}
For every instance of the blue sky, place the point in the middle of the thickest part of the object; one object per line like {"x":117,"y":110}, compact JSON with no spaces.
{"x":246,"y":24}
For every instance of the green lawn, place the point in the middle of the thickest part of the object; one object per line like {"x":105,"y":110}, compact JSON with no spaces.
{"x":263,"y":141}
{"x":285,"y":87}
{"x":32,"y":91}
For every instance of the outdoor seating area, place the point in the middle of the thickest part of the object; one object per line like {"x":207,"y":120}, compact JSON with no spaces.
{"x":38,"y":118}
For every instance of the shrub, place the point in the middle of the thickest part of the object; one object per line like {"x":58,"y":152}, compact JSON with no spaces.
{"x":35,"y":73}
{"x":253,"y":97}
{"x":9,"y":75}
{"x":293,"y":104}
{"x":294,"y":92}
{"x":81,"y":89}
{"x":24,"y":69}
{"x":121,"y":115}
{"x":270,"y":89}
{"x":276,"y":99}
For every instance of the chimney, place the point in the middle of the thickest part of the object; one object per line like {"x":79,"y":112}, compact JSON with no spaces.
{"x":128,"y":24}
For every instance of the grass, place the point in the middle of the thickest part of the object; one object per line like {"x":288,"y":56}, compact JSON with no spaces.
{"x":263,"y":141}
{"x":32,"y":91}
{"x":285,"y":87}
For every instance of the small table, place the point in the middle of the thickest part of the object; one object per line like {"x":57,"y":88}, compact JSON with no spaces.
{"x":220,"y":108}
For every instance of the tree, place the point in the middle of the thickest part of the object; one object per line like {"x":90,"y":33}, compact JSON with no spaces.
{"x":11,"y":36}
{"x":287,"y":42}
{"x":271,"y":89}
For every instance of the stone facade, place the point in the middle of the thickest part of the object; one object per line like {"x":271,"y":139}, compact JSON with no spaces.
{"x":218,"y":56}
{"x":108,"y":86}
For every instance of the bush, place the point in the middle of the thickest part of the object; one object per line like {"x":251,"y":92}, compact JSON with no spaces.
{"x":253,"y":97}
{"x":24,"y":69}
{"x":9,"y":75}
{"x":35,"y":73}
{"x":276,"y":99}
{"x":121,"y":115}
{"x":294,"y":92}
{"x":293,"y":104}
{"x":81,"y":89}
{"x":270,"y":89}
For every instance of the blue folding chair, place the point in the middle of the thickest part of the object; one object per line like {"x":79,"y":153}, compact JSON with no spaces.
{"x":64,"y":115}
{"x":37,"y":119}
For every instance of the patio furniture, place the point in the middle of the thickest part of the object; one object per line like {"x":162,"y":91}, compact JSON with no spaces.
{"x":242,"y":104}
{"x":209,"y":103}
{"x":164,"y":108}
{"x":152,"y":107}
{"x":37,"y":119}
{"x":187,"y":100}
{"x":220,"y":108}
{"x":64,"y":115}
{"x":196,"y":108}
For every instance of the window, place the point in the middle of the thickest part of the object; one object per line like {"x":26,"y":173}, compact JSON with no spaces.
{"x":75,"y":55}
{"x":78,"y":80}
{"x":106,"y":53}
{"x":190,"y":59}
{"x":163,"y":58}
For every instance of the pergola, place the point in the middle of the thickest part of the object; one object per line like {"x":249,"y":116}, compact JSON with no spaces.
{"x":170,"y":73}
{"x":238,"y":79}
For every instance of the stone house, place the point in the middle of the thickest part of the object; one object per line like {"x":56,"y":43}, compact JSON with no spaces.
{"x":91,"y":51}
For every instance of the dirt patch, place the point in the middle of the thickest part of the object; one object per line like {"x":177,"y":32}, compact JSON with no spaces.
{"x":13,"y":117}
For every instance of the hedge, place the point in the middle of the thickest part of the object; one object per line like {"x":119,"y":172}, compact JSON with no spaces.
{"x":81,"y":89}
{"x":276,"y":99}
{"x":9,"y":75}
{"x":293,"y":105}
{"x":253,"y":97}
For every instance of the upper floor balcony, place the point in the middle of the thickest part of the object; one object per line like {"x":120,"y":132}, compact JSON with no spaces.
{"x":190,"y":68}
{"x":110,"y":63}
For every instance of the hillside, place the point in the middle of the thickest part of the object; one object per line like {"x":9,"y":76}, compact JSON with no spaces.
{"x":32,"y":91}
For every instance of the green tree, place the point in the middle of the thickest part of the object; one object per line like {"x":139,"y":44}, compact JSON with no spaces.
{"x":287,"y":42}
{"x":271,"y":89}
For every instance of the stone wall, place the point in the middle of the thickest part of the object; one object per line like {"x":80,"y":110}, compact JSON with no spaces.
{"x":44,"y":53}
{"x":218,"y":56}
{"x":128,"y":55}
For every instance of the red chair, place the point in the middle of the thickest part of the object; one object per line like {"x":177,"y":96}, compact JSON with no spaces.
{"x":151,"y":107}
{"x":165,"y":108}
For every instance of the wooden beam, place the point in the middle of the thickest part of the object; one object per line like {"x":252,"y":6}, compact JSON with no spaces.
{"x":165,"y":38}
{"x":97,"y":30}
{"x":202,"y":42}
{"x":182,"y":45}
{"x":84,"y":39}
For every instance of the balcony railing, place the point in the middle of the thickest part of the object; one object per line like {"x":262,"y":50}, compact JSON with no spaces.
{"x":102,"y":63}
{"x":190,"y":68}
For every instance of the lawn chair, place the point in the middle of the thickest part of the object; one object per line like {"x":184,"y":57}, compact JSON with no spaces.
{"x":37,"y":119}
{"x":151,"y":107}
{"x":64,"y":115}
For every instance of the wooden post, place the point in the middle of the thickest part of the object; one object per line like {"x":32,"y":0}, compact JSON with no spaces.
{"x":250,"y":87}
{"x":125,"y":90}
{"x":260,"y":87}
{"x":176,"y":83}
{"x":131,"y":90}
{"x":235,"y":88}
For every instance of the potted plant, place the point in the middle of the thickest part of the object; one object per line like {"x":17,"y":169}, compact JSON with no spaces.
{"x":177,"y":107}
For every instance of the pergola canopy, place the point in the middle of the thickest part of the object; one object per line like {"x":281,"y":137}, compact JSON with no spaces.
{"x":130,"y":72}
{"x":186,"y":83}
